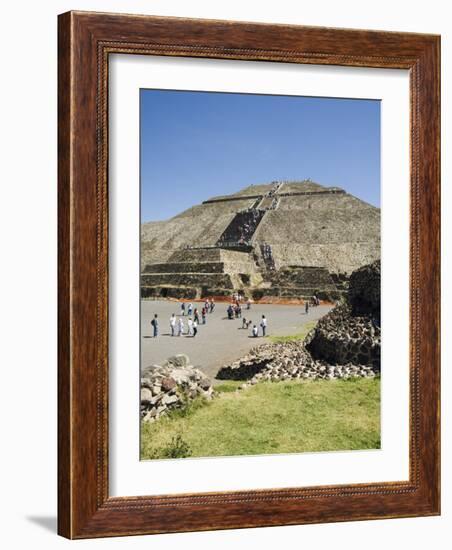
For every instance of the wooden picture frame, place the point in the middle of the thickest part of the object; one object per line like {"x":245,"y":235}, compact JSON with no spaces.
{"x":86,"y":40}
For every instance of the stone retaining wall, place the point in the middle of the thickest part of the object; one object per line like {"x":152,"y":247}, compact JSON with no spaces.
{"x":342,"y":338}
{"x":177,"y":292}
{"x":185,"y":267}
{"x":364,"y":291}
{"x":222,"y":280}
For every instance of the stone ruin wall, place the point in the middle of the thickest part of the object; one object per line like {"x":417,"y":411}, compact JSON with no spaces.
{"x":365,"y":290}
{"x":351,"y":332}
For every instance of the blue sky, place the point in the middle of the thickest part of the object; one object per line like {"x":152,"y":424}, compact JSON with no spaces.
{"x":195,"y":145}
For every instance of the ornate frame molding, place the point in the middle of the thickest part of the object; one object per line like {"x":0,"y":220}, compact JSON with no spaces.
{"x":85,"y":42}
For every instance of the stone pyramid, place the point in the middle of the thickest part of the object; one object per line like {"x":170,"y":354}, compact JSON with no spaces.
{"x":281,"y":239}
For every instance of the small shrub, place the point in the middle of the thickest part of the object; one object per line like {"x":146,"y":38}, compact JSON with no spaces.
{"x":176,"y":448}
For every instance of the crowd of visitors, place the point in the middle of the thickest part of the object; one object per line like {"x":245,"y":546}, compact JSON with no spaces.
{"x":198,"y":316}
{"x":234,"y":311}
{"x":177,"y":325}
{"x":268,"y":256}
{"x":242,"y":227}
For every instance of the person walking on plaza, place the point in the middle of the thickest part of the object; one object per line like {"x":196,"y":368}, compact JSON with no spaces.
{"x":182,"y":308}
{"x":212,"y":305}
{"x":264,"y":325}
{"x":190,"y":309}
{"x":248,"y":304}
{"x":203,"y":315}
{"x":306,"y":306}
{"x":195,"y":328}
{"x":190,"y":327}
{"x":180,"y":327}
{"x":155,"y":325}
{"x":230,"y":311}
{"x":172,"y":324}
{"x":196,"y":315}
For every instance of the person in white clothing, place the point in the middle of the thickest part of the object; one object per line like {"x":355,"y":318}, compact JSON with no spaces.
{"x":180,"y":327}
{"x":190,"y":327}
{"x":264,"y":325}
{"x":172,"y":324}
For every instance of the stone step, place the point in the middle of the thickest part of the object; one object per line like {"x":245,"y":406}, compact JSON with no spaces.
{"x":303,"y":276}
{"x":187,"y":279}
{"x":242,"y":227}
{"x":185,"y":267}
{"x":178,"y":292}
{"x":266,"y":203}
{"x":196,"y":255}
{"x":298,"y":292}
{"x":189,"y":293}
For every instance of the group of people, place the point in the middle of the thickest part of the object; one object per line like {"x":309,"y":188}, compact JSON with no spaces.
{"x":209,"y":306}
{"x":195,"y":317}
{"x":268,"y":256}
{"x":177,"y":326}
{"x":246,"y":323}
{"x":243,"y":227}
{"x":234,"y":311}
{"x":314,"y":302}
{"x":192,"y":325}
{"x":238,"y":298}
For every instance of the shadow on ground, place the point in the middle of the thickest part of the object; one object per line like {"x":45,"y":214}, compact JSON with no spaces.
{"x":49,"y":523}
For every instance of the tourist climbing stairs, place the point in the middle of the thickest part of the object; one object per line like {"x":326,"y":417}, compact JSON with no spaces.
{"x":266,"y":252}
{"x":241,"y":229}
{"x":270,"y":201}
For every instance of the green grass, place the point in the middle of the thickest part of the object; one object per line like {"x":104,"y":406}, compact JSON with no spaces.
{"x":270,"y":418}
{"x":229,"y":386}
{"x":307,"y":327}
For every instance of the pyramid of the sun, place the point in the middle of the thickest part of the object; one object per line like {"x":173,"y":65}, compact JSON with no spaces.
{"x":286,"y":239}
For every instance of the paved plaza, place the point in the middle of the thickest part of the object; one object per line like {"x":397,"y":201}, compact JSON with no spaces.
{"x":220,"y":340}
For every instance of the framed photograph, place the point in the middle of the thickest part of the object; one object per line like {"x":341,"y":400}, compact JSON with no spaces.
{"x":248,"y":275}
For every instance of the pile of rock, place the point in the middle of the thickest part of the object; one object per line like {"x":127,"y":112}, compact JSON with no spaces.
{"x":170,"y":386}
{"x":286,"y":361}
